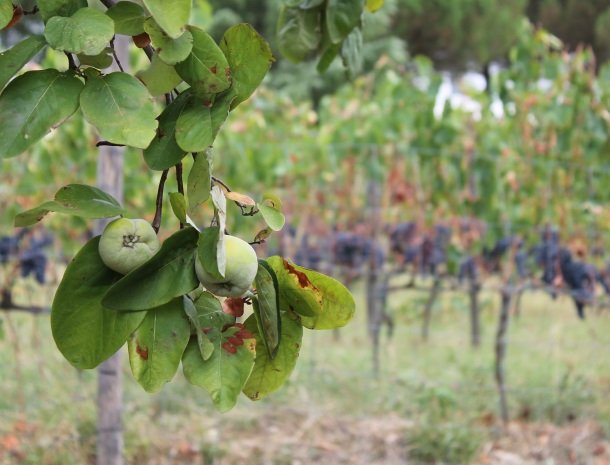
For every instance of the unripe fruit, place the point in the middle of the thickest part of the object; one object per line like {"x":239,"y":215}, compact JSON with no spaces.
{"x":240,"y":270}
{"x":126,"y":244}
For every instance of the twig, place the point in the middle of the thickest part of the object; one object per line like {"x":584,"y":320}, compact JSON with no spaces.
{"x":108,"y":143}
{"x":116,"y":58}
{"x":156,"y":224}
{"x":180,"y":183}
{"x":260,"y":241}
{"x":71,"y":62}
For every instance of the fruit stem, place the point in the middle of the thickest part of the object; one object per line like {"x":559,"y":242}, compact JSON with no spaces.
{"x":156,"y":223}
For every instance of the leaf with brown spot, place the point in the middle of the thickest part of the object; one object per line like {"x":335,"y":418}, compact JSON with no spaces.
{"x":321,"y":301}
{"x":240,"y":198}
{"x":233,"y":306}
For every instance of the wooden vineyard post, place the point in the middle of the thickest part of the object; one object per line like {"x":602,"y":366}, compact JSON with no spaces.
{"x":110,"y":385}
{"x":501,"y":345}
{"x":374,"y":279}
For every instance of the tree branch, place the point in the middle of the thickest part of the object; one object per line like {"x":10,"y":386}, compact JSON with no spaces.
{"x":116,"y":58}
{"x":180,"y":183}
{"x":156,"y":224}
{"x":71,"y":62}
{"x":108,"y":143}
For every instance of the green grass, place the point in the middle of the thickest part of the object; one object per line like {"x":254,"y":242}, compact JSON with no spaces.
{"x":557,"y":370}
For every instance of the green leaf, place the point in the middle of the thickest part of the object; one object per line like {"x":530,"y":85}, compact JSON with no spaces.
{"x":74,"y":199}
{"x":170,"y":273}
{"x":207,"y":316}
{"x":163,"y":152}
{"x":159,"y":78}
{"x":210,"y":251}
{"x":268,"y":374}
{"x":321,"y":301}
{"x":44,"y":99}
{"x":12,"y":60}
{"x":351,"y":53}
{"x":223,"y":375}
{"x":101,"y":61}
{"x":87,"y":31}
{"x":128,"y":18}
{"x":171,"y":51}
{"x":206,"y":69}
{"x":156,"y":347}
{"x":6,"y":12}
{"x":121,"y":109}
{"x":267,"y":307}
{"x":327,"y":57}
{"x":50,"y":8}
{"x":342,"y":16}
{"x":199,"y":123}
{"x":199,"y":180}
{"x":274,"y":218}
{"x":171,"y":16}
{"x":85,"y":332}
{"x":249,"y":57}
{"x":374,"y":5}
{"x":178,"y":203}
{"x":299,"y":33}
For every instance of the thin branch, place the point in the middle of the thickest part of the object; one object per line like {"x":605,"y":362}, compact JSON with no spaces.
{"x":109,"y":144}
{"x":244,"y":208}
{"x":116,"y":58}
{"x":156,"y":224}
{"x":180,"y":183}
{"x":149,"y":51}
{"x":260,"y":241}
{"x":222,"y":183}
{"x":34,"y":310}
{"x":71,"y":62}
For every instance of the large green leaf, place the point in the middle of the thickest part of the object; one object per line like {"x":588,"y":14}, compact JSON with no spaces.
{"x":351,"y":53}
{"x":299,"y":32}
{"x":85,"y":332}
{"x":342,"y":16}
{"x":170,"y":273}
{"x":163,"y":152}
{"x":156,"y":347}
{"x":171,"y":51}
{"x":223,"y":375}
{"x":6,"y":12}
{"x":12,"y":60}
{"x":249,"y":57}
{"x":210,"y":251}
{"x":50,"y":8}
{"x":121,"y":108}
{"x":321,"y":301}
{"x":270,"y":374}
{"x":267,"y":307}
{"x":128,"y":18}
{"x":171,"y":16}
{"x":74,"y":199}
{"x":87,"y":31}
{"x":207,"y":317}
{"x":199,"y":180}
{"x":32,"y":104}
{"x":206,"y":69}
{"x":198,"y":124}
{"x":159,"y":78}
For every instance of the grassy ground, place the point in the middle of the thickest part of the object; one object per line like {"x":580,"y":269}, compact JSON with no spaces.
{"x":432,"y":402}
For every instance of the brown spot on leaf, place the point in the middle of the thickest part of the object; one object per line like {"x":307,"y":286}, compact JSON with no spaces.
{"x":229,"y":347}
{"x":304,"y":281}
{"x":141,"y":351}
{"x":236,"y":340}
{"x":233,"y":306}
{"x":245,"y":334}
{"x":214,"y":69}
